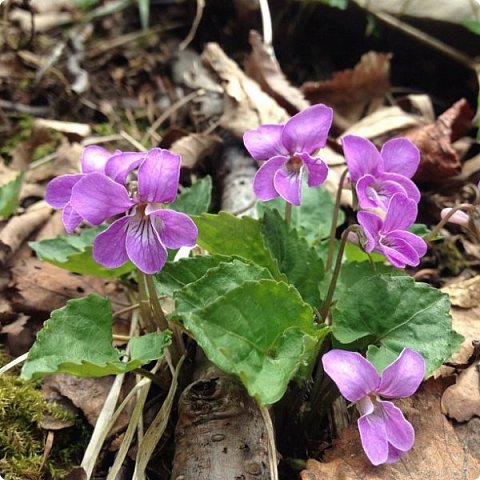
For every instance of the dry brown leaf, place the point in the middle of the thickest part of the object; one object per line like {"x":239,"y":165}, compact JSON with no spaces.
{"x":80,"y":129}
{"x":194,"y":148}
{"x":462,"y":400}
{"x":349,"y":92}
{"x":264,"y":69}
{"x":437,"y":454}
{"x":439,"y":160}
{"x":246,"y":105}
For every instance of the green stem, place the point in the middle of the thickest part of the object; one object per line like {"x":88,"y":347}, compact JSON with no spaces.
{"x":444,"y":220}
{"x":146,"y":312}
{"x":336,"y":272}
{"x":157,"y":308}
{"x":333,"y":229}
{"x":288,"y":212}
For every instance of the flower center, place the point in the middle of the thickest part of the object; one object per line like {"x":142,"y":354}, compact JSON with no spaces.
{"x":294,"y":164}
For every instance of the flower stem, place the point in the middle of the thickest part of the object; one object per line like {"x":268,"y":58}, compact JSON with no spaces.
{"x":146,"y":312}
{"x":446,"y":218}
{"x":288,"y":212}
{"x":333,"y":229}
{"x":336,"y":272}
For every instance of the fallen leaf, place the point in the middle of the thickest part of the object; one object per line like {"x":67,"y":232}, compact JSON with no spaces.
{"x":263,"y":67}
{"x":350,"y":91}
{"x":437,"y":453}
{"x":246,"y":105}
{"x":462,"y":400}
{"x":439,"y":160}
{"x":194,"y":148}
{"x":80,"y":129}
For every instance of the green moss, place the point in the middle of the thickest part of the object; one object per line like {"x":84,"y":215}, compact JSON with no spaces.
{"x":22,"y":440}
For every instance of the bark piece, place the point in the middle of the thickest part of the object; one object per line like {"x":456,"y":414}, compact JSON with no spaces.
{"x":264,"y":69}
{"x":462,"y":400}
{"x":246,"y":105}
{"x":220,"y":433}
{"x":437,"y":454}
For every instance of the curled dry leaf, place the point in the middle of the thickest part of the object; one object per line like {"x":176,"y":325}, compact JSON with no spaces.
{"x":246,"y":105}
{"x":350,"y":91}
{"x":264,"y":69}
{"x":194,"y":148}
{"x":439,"y":159}
{"x":437,"y":454}
{"x":462,"y":400}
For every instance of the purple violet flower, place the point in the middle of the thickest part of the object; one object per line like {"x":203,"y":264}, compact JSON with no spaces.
{"x":389,"y":236}
{"x":287,"y":152}
{"x":380,"y":175}
{"x":94,"y":160}
{"x":147,"y":230}
{"x":385,"y":433}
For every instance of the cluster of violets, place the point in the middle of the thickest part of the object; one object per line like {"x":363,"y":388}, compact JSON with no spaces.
{"x":382,"y":180}
{"x":133,"y":186}
{"x":129,"y":190}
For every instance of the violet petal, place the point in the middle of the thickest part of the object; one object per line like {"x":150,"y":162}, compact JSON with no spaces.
{"x":307,"y":131}
{"x":288,"y":185}
{"x":399,"y":252}
{"x":109,"y":246}
{"x":59,"y":190}
{"x":158,"y":176}
{"x":96,"y":197}
{"x":416,"y":242}
{"x":371,"y":225}
{"x":399,"y":431}
{"x":459,"y":217}
{"x":264,"y":142}
{"x":373,"y":435}
{"x":372,"y":192}
{"x":394,"y":454}
{"x":362,"y":157}
{"x":317,"y":169}
{"x":263,"y":185}
{"x":70,"y":218}
{"x":353,"y":374}
{"x":410,"y":188}
{"x":174,"y":228}
{"x":143,"y":244}
{"x":401,"y":213}
{"x":403,"y":376}
{"x":119,"y":165}
{"x":401,"y":156}
{"x":94,"y":159}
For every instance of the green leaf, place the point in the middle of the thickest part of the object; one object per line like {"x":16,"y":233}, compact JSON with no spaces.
{"x":261,"y":331}
{"x":472,"y":25}
{"x":144,"y":12}
{"x":9,"y":196}
{"x":74,"y":253}
{"x":397,"y":312}
{"x":77,"y":339}
{"x":217,"y":281}
{"x":354,"y":253}
{"x":296,"y":259}
{"x":196,"y":199}
{"x":420,"y":229}
{"x":225,"y":234}
{"x":176,"y":275}
{"x":313,"y":218}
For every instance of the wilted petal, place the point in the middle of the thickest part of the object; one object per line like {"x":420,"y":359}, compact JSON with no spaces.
{"x":403,"y":376}
{"x":353,"y":374}
{"x":264,"y":142}
{"x":59,"y":190}
{"x":371,"y":225}
{"x":263,"y":185}
{"x":143,"y":244}
{"x":401,"y":213}
{"x":158,"y":176}
{"x":459,"y":217}
{"x":399,"y":431}
{"x":70,"y":218}
{"x":372,"y":192}
{"x":399,"y":252}
{"x":410,"y":188}
{"x":362,"y":157}
{"x":401,"y":156}
{"x":307,"y":131}
{"x":109,"y":246}
{"x":288,"y":185}
{"x":121,"y":164}
{"x":94,"y":159}
{"x":96,"y":197}
{"x":374,"y":437}
{"x":317,"y":169}
{"x":174,"y":228}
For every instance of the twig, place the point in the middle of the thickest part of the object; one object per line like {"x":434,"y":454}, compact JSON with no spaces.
{"x":22,"y":108}
{"x":134,"y":142}
{"x":13,"y":363}
{"x":196,"y":22}
{"x":267,"y":27}
{"x":272,"y":450}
